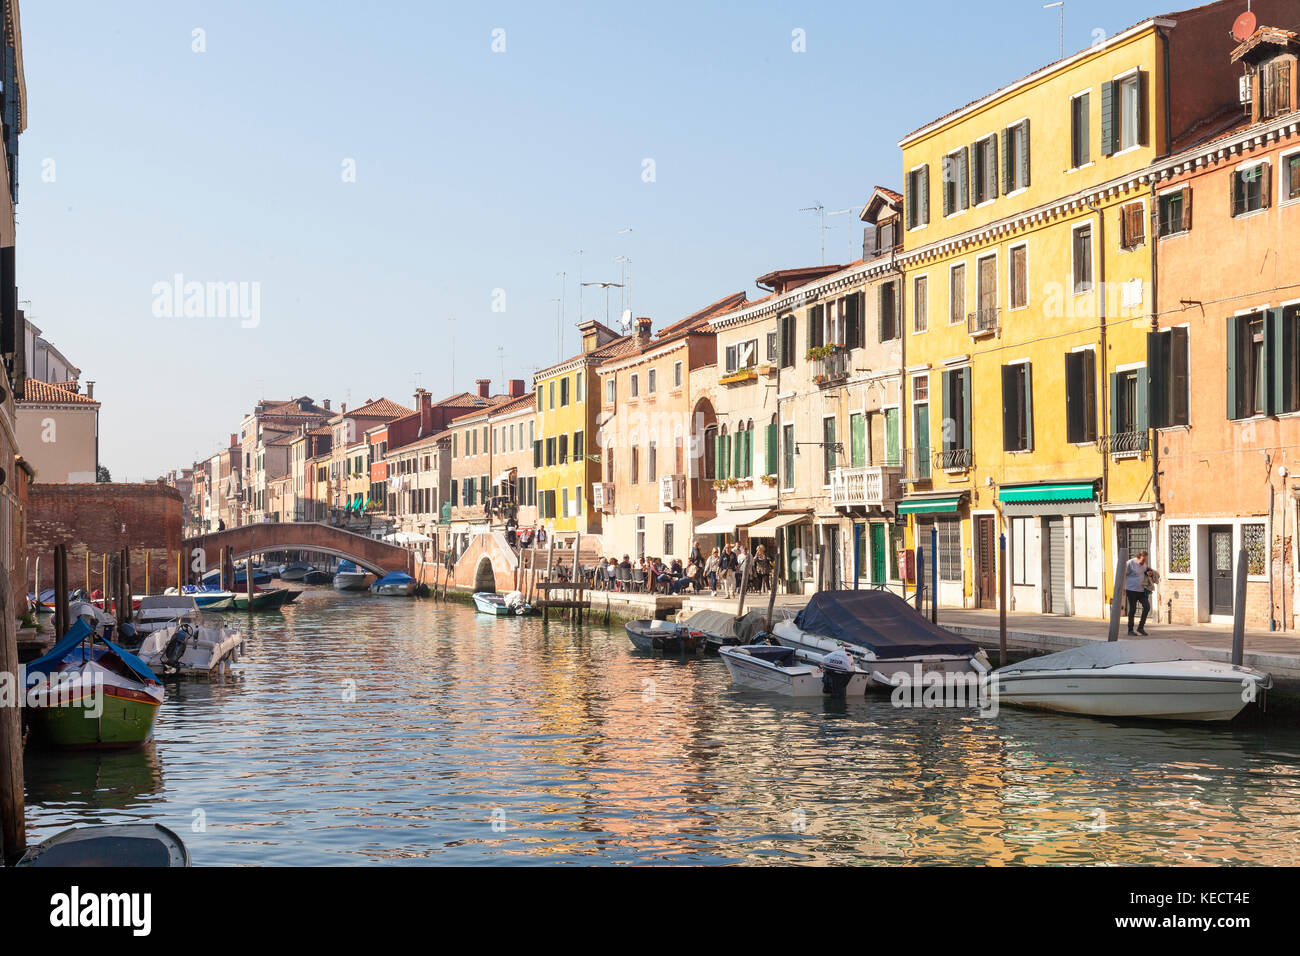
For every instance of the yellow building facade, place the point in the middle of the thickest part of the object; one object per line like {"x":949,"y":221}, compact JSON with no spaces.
{"x":1028,"y":268}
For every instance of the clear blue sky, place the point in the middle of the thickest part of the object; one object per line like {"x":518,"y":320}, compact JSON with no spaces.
{"x":475,"y":171}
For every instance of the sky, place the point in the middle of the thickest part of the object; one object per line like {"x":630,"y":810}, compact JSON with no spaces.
{"x":394,"y":188}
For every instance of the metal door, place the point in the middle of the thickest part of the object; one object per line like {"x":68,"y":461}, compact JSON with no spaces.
{"x":1055,"y":528}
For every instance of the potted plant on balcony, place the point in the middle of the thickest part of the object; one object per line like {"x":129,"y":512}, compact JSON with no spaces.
{"x":719,"y":484}
{"x":769,"y":480}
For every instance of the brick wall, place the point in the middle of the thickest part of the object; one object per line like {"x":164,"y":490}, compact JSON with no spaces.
{"x":104,"y":518}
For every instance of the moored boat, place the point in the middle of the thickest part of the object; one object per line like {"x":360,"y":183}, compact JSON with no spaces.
{"x":883,"y":631}
{"x":491,"y":602}
{"x":1153,"y":679}
{"x":795,"y":673}
{"x":394,"y":584}
{"x":161,"y":610}
{"x":112,"y":844}
{"x":267,"y":599}
{"x":315,"y":576}
{"x":191,"y":649}
{"x":349,"y":577}
{"x":293,"y":571}
{"x":89,"y":692}
{"x":666,"y":636}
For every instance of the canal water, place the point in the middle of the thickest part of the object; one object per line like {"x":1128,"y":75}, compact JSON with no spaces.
{"x":362,"y":729}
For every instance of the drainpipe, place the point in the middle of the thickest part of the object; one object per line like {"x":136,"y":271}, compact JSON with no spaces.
{"x":904,"y":407}
{"x":1155,"y":326}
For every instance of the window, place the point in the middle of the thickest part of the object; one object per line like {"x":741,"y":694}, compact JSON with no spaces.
{"x":1255,"y":543}
{"x":1082,"y":257}
{"x":564,"y":502}
{"x":949,"y":541}
{"x":652,"y":461}
{"x":921,"y":424}
{"x":634,"y":386}
{"x":917,"y":202}
{"x":1174,"y":213}
{"x":577,"y":387}
{"x":1250,"y":189}
{"x":537,"y":454}
{"x":771,"y":449}
{"x":652,"y":381}
{"x":1127,"y":406}
{"x":609,"y":391}
{"x":634,"y":462}
{"x":920,"y":304}
{"x":984,"y":178}
{"x":741,"y":356}
{"x":552,"y":391}
{"x":886,"y":236}
{"x":957,"y":418}
{"x":577,"y":446}
{"x":1080,"y":150}
{"x":857,"y":440}
{"x":1132,"y":225}
{"x":677,"y":367}
{"x":1019,"y":276}
{"x":850,"y":308}
{"x":668,"y":539}
{"x":787,"y":341}
{"x":787,"y":449}
{"x":1017,"y":407}
{"x":1086,"y":534}
{"x":1020,"y":537}
{"x":816,"y":332}
{"x":1122,"y":114}
{"x":956,"y":181}
{"x":1264,"y":363}
{"x":889,"y":324}
{"x":474,"y":438}
{"x":986,"y":293}
{"x":957,"y":294}
{"x":1180,"y":549}
{"x":564,"y":391}
{"x":1015,"y":157}
{"x":550,"y":451}
{"x":1167,"y":377}
{"x":1291,"y":177}
{"x":1275,"y":87}
{"x":828,"y":449}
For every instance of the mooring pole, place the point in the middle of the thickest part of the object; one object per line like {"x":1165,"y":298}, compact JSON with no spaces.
{"x":147,"y":556}
{"x":1117,"y":597}
{"x":13,"y":833}
{"x":920,"y":580}
{"x":1002,"y":599}
{"x":1239,"y":610}
{"x":934,"y":574}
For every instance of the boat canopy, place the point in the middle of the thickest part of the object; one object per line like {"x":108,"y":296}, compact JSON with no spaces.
{"x":1109,"y":654}
{"x":717,"y":623}
{"x":880,"y":621}
{"x":346,"y":567}
{"x":70,"y":647}
{"x":395,"y":577}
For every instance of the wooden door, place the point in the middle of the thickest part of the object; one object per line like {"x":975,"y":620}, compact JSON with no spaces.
{"x":986,"y":561}
{"x":1221,"y":570}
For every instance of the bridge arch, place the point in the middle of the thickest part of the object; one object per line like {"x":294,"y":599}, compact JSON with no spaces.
{"x":378,"y":557}
{"x":485,"y":578}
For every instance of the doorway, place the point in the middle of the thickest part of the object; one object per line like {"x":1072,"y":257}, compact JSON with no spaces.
{"x":1054,"y":533}
{"x":986,"y":570}
{"x":1221,"y":570}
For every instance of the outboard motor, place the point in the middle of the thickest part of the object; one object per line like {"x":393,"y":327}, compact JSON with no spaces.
{"x":513,"y":600}
{"x":175,"y":649}
{"x":837,"y":670}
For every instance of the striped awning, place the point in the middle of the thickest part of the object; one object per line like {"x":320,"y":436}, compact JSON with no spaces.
{"x":1059,"y":491}
{"x":945,"y":504}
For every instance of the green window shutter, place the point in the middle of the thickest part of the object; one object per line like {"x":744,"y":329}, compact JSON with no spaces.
{"x":946,"y":431}
{"x":1010,"y":433}
{"x":1029,"y":407}
{"x":724,"y":461}
{"x":993,"y":169}
{"x":749,"y":452}
{"x":1090,"y":395}
{"x":1008,"y":182}
{"x":963,"y":179}
{"x":1109,"y":128}
{"x":922,"y":416}
{"x":924,"y":204}
{"x":1233,"y":362}
{"x":857,"y":440}
{"x":1157,"y":346}
{"x":1114,"y":405}
{"x":1073,"y":382}
{"x":771,"y":449}
{"x":949,"y":168}
{"x":1275,"y":361}
{"x":1024,"y":157}
{"x":966,"y":409}
{"x":1142,"y":416}
{"x":718,"y":458}
{"x":892,"y":455}
{"x":1143,"y":110}
{"x":976,"y":182}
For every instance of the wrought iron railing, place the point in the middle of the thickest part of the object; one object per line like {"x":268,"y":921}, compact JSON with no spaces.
{"x":953,"y":459}
{"x":982,"y":322}
{"x":832,"y":368}
{"x":1124,"y":443}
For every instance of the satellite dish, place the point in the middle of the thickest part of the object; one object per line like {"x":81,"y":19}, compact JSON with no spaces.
{"x":1244,"y":27}
{"x":626,"y":321}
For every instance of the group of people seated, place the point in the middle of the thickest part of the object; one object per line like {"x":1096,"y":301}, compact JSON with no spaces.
{"x":723,"y":569}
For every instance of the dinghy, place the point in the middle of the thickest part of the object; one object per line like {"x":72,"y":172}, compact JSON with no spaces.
{"x":191,"y":649}
{"x":161,"y":610}
{"x":349,"y":577}
{"x":666,"y":636}
{"x":208,"y":598}
{"x":114,"y":844}
{"x":796,"y":673}
{"x":1148,"y":679}
{"x":89,"y":692}
{"x":394,"y":584}
{"x":490,"y":602}
{"x":883,"y":631}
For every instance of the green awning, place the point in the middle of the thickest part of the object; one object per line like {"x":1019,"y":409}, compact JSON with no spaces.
{"x":1026,"y":494}
{"x":923,"y":506}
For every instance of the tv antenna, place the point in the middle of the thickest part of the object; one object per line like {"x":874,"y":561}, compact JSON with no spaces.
{"x":1059,"y":5}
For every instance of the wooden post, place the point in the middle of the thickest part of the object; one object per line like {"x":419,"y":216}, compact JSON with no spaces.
{"x":744,"y":587}
{"x":1239,"y":610}
{"x":934,"y":574}
{"x":180,"y":570}
{"x":124,"y":614}
{"x":89,"y":589}
{"x":221,"y":576}
{"x":146,"y":571}
{"x":13,"y":833}
{"x":248,"y":570}
{"x":920,"y":579}
{"x":60,"y":608}
{"x":576,"y":613}
{"x":550,"y":559}
{"x":1118,"y":595}
{"x":1002,"y":599}
{"x":103,"y":578}
{"x":771,"y":598}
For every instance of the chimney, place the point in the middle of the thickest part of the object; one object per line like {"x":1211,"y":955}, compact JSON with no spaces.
{"x":643,"y":325}
{"x":327,"y":404}
{"x":234,"y":440}
{"x":90,"y":389}
{"x":424,"y":405}
{"x":483,"y":384}
{"x":516,"y":387}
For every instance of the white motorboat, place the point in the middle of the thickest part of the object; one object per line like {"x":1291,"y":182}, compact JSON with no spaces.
{"x":394,"y":584}
{"x":1149,"y":679}
{"x":796,"y":673}
{"x":349,"y":577}
{"x":160,"y":610}
{"x":883,"y":633}
{"x":191,"y":650}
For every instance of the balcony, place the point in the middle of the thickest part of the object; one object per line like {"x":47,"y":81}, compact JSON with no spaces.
{"x":739,"y":376}
{"x":953,"y":459}
{"x":602,"y":496}
{"x":1124,"y":444}
{"x":866,"y":486}
{"x":982,"y":322}
{"x":672,"y":492}
{"x":830,"y":364}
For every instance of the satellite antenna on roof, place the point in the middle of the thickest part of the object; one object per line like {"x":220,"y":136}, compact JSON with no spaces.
{"x":1244,"y":26}
{"x":625,"y":321}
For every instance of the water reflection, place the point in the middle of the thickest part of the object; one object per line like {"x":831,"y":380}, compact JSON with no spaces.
{"x":365,"y":729}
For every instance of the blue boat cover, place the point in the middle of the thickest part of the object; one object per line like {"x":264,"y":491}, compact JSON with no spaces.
{"x":881,"y":622}
{"x":395,"y":577}
{"x":70,"y":648}
{"x":346,"y":567}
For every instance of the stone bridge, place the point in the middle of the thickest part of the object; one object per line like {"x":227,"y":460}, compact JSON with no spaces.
{"x":376,"y":556}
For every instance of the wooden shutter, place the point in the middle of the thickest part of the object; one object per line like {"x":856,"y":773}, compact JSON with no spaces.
{"x":1144,"y":113}
{"x":976,"y":175}
{"x":1179,"y":359}
{"x":1233,"y":360}
{"x":965,"y":409}
{"x":1141,"y":414}
{"x":1023,"y":157}
{"x":1275,"y":341}
{"x":949,"y":184}
{"x":991,"y":174}
{"x":963,"y":179}
{"x":1074,"y":402}
{"x":1008,"y":182}
{"x":1028,"y":422}
{"x":770,"y":446}
{"x":1157,"y":357}
{"x":1090,"y":395}
{"x":849,"y":304}
{"x":1114,"y":404}
{"x":1109,"y":128}
{"x":1187,"y":208}
{"x":1266,"y":185}
{"x":1010,"y":423}
{"x":924,"y":200}
{"x":947,"y":434}
{"x":909,"y":197}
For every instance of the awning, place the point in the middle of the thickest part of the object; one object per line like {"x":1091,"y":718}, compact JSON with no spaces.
{"x":729,"y":521}
{"x":769,"y":527}
{"x":1067,"y":491}
{"x":939,"y":504}
{"x":506,"y":475}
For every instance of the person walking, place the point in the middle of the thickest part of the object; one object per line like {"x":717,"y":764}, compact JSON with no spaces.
{"x":1137,"y":590}
{"x":727,"y":570}
{"x":711,"y":571}
{"x":762,"y":568}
